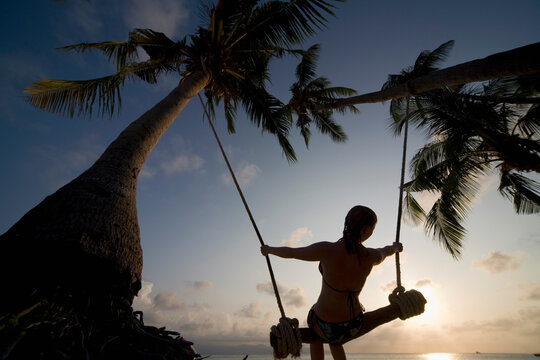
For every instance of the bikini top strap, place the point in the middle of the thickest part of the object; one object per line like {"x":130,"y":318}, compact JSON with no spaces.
{"x":333,"y":288}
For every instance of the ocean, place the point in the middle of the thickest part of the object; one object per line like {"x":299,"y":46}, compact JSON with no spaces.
{"x":432,"y":356}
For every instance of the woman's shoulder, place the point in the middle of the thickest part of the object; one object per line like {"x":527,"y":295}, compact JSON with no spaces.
{"x":374,"y":256}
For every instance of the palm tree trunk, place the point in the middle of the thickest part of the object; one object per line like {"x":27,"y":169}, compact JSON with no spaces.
{"x":85,"y":237}
{"x":521,"y":61}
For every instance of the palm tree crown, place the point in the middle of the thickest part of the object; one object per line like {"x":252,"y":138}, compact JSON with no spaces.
{"x":310,"y":94}
{"x":476,"y":130}
{"x":234,"y":47}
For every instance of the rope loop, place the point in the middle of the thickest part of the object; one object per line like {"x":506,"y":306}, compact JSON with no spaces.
{"x":285,"y":338}
{"x":411,"y":303}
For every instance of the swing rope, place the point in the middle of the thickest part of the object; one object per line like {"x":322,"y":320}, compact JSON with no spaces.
{"x":399,"y":287}
{"x":412,"y":302}
{"x":287,"y":331}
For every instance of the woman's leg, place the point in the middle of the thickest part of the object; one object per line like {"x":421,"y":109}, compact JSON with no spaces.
{"x":317,"y":351}
{"x":338,"y":353}
{"x":373,"y":319}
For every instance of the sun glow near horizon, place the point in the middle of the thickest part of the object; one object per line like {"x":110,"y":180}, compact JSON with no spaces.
{"x":439,"y":356}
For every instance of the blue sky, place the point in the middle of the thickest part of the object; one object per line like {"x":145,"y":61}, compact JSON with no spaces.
{"x":203,"y":273}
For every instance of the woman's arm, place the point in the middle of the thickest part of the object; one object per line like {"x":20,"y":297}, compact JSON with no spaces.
{"x":382,"y":253}
{"x":313,"y":252}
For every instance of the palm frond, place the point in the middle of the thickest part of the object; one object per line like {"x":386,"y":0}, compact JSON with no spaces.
{"x":270,"y":114}
{"x":303,"y":122}
{"x":326,"y":125}
{"x":412,"y":210}
{"x":522,"y":191}
{"x":65,"y":97}
{"x":70,"y":97}
{"x":284,"y":24}
{"x":528,"y":85}
{"x":427,"y":60}
{"x":334,"y":92}
{"x":117,"y":52}
{"x":157,"y":45}
{"x":444,"y":226}
{"x":305,"y":70}
{"x":529,"y":124}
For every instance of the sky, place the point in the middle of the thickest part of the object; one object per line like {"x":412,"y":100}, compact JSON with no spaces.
{"x":203,"y":273}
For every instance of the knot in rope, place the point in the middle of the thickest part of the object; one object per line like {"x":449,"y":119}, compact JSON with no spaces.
{"x":285,"y":338}
{"x":411,"y":303}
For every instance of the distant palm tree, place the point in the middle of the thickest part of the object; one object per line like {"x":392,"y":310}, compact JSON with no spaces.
{"x":84,"y":238}
{"x":476,"y":130}
{"x":310,"y":93}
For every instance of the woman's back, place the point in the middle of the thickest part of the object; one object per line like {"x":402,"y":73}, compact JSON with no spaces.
{"x":344,"y":275}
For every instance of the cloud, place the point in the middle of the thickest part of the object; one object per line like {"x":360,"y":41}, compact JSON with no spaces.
{"x":143,"y":297}
{"x":200,"y":286}
{"x":84,"y":15}
{"x":298,"y":236}
{"x":160,"y":15}
{"x":532,"y":292}
{"x":423,"y":283}
{"x":244,"y":174}
{"x":147,"y":172}
{"x":389,"y":287}
{"x":167,"y":301}
{"x":252,"y":311}
{"x":497,"y":262}
{"x":209,"y":329}
{"x":182,"y":163}
{"x":294,"y":297}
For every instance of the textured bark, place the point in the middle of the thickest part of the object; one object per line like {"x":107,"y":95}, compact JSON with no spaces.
{"x":521,"y":61}
{"x":85,"y":237}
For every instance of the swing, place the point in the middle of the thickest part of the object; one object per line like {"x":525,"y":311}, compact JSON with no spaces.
{"x":287,"y":337}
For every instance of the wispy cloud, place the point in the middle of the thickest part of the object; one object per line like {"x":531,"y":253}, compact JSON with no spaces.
{"x":245,"y":174}
{"x":423,"y":283}
{"x":531,"y":292}
{"x":208,"y":328}
{"x":497,"y":262}
{"x":294,"y":297}
{"x":160,"y":15}
{"x":389,"y":287}
{"x":167,"y":300}
{"x":200,"y":286}
{"x":251,"y":311}
{"x":182,"y":163}
{"x":298,"y":237}
{"x":84,"y":15}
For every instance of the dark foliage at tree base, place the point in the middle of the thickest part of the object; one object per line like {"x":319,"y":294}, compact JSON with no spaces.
{"x":58,"y":326}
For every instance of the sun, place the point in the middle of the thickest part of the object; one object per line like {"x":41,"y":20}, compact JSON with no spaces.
{"x":439,"y":356}
{"x":433,"y":312}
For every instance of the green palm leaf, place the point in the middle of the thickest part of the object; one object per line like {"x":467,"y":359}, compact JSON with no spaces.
{"x":522,"y":191}
{"x":70,"y":97}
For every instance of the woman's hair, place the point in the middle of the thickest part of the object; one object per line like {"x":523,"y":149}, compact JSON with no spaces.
{"x":358,"y":217}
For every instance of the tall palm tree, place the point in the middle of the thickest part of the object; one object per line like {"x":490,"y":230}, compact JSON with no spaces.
{"x":82,"y":242}
{"x":476,"y":130}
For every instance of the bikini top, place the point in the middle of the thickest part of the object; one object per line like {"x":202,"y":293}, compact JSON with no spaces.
{"x":352,"y":295}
